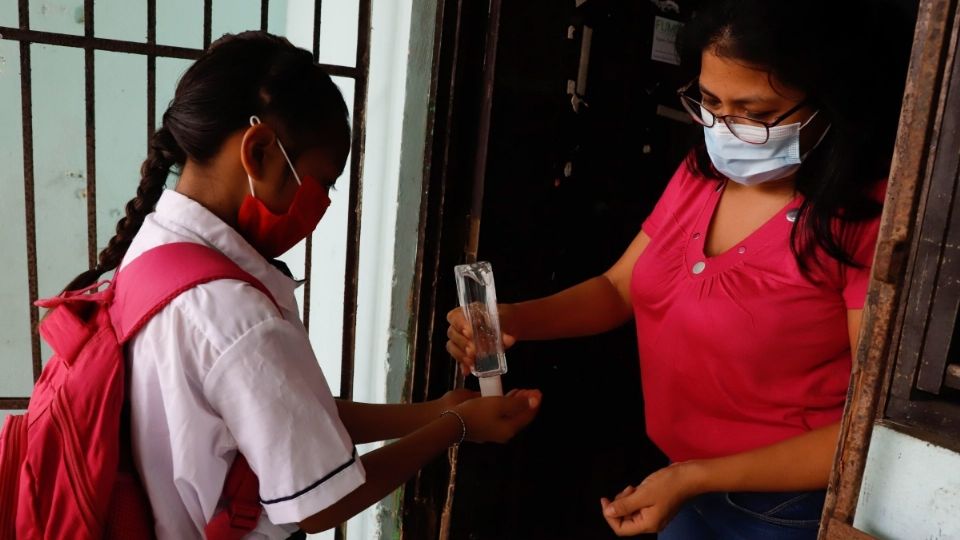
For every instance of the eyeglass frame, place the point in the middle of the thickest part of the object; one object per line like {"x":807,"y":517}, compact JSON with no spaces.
{"x":682,"y":94}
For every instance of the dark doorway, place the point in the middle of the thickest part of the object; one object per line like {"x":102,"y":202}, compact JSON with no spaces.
{"x":564,"y":194}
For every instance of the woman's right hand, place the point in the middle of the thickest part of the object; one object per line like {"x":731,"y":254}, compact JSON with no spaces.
{"x":460,"y":336}
{"x":498,"y":419}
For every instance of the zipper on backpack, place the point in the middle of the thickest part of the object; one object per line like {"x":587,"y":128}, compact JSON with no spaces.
{"x":76,"y":468}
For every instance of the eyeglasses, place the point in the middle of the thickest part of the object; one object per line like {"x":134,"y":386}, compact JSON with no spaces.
{"x":748,"y":130}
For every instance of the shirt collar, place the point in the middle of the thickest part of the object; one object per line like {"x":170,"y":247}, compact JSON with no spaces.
{"x":182,"y":211}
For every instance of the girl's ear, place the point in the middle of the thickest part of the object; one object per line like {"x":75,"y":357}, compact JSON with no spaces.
{"x":253,"y":150}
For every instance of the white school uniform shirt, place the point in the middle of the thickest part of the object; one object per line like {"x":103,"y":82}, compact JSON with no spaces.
{"x":219,"y":370}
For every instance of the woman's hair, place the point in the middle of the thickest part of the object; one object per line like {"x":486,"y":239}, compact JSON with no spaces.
{"x":849,"y":58}
{"x":253,"y":73}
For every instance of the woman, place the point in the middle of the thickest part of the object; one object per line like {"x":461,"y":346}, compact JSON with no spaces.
{"x":747,"y":281}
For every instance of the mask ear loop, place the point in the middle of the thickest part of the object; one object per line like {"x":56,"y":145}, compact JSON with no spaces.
{"x":290,"y":163}
{"x":820,"y":140}
{"x":254,"y":120}
{"x":812,"y":116}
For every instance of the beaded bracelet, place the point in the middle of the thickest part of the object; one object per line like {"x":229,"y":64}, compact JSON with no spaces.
{"x":463,"y":425}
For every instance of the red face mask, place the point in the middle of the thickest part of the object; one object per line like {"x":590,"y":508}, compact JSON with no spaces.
{"x":273,"y":234}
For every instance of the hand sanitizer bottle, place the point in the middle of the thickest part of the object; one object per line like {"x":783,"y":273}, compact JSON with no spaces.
{"x":478,"y":298}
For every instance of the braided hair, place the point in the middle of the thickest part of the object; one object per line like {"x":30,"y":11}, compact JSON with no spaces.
{"x":238,"y":76}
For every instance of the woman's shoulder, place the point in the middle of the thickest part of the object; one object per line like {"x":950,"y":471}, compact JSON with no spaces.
{"x":688,"y":182}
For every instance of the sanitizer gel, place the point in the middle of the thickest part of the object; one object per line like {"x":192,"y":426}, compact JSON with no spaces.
{"x":478,"y":298}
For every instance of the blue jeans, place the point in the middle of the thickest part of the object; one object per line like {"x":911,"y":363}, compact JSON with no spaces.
{"x":748,"y":516}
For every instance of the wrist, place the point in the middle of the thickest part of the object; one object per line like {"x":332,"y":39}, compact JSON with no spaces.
{"x":437,"y":406}
{"x":454,"y":417}
{"x":696,"y":476}
{"x":510,"y":320}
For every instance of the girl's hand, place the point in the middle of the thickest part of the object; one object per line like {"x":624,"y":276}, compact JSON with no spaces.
{"x":451,"y":399}
{"x":498,"y":419}
{"x":460,"y":336}
{"x":648,"y":508}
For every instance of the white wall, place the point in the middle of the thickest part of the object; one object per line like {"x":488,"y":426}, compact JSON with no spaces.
{"x":911,"y":489}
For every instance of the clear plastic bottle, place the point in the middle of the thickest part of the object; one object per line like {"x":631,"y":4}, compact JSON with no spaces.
{"x":478,"y":298}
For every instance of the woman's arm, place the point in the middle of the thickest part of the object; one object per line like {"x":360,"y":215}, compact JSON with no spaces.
{"x":592,"y":307}
{"x":367,"y":422}
{"x":800,"y":463}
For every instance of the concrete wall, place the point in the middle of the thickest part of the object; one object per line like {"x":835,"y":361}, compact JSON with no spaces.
{"x":911,"y":489}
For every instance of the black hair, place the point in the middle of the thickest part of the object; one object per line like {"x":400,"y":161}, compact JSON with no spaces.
{"x":850,"y":59}
{"x":252,"y":73}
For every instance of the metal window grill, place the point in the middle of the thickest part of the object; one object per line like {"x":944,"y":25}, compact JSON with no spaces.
{"x":25,"y":36}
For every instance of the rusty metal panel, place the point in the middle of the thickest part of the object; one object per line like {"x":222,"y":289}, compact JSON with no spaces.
{"x":940,"y":240}
{"x":909,"y":171}
{"x":931,"y":296}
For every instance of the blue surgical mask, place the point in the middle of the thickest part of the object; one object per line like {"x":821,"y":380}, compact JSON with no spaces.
{"x":752,"y":164}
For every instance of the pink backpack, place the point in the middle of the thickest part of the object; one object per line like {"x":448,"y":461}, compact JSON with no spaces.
{"x":66,"y":468}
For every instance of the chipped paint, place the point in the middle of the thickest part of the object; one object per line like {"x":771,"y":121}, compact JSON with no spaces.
{"x":911,"y":489}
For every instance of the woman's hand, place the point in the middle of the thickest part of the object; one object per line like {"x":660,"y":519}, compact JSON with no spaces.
{"x":498,"y":419}
{"x":460,"y":336}
{"x":648,"y":508}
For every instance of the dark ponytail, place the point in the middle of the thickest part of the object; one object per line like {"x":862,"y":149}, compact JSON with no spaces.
{"x":162,"y":155}
{"x":253,"y":73}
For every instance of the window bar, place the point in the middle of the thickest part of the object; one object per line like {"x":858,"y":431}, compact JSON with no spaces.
{"x":130,"y":47}
{"x":207,"y":22}
{"x":356,"y":201}
{"x":355,"y":209}
{"x":308,"y":263}
{"x":308,"y":255}
{"x":7,"y":404}
{"x":26,"y":99}
{"x":317,"y":17}
{"x":151,"y":69}
{"x":91,"y":125}
{"x":264,"y":14}
{"x":100,"y":44}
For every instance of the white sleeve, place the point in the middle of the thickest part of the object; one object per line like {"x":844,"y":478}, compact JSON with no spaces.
{"x":271,"y":393}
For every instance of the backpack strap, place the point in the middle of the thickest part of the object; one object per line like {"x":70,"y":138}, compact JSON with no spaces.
{"x":161,"y":274}
{"x":241,"y":490}
{"x":155,"y":278}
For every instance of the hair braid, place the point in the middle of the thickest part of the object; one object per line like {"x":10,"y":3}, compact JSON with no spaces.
{"x":163,"y":154}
